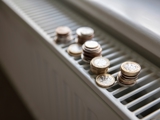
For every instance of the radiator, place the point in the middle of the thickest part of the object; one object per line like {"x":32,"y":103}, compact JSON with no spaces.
{"x":56,"y":86}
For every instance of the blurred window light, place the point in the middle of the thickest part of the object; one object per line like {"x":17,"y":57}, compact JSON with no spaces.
{"x":141,"y":12}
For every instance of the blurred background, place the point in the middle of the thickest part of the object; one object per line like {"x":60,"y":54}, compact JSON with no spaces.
{"x":11,"y":105}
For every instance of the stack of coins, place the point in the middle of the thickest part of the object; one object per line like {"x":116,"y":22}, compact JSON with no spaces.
{"x":105,"y":80}
{"x":129,"y":73}
{"x":63,"y":34}
{"x":90,"y":49}
{"x":99,"y":65}
{"x":75,"y":50}
{"x":84,"y":34}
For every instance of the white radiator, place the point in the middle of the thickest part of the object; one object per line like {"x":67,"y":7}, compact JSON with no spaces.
{"x":56,"y":86}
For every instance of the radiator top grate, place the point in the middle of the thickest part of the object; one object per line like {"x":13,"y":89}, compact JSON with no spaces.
{"x":139,"y":101}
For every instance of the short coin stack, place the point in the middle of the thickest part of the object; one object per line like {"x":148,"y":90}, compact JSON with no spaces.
{"x":63,"y":34}
{"x":75,"y":50}
{"x":129,"y":73}
{"x":99,"y":65}
{"x":91,"y":49}
{"x":84,"y":34}
{"x":105,"y":80}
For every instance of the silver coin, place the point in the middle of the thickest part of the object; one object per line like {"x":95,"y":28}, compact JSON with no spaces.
{"x":105,"y":80}
{"x":100,"y":62}
{"x":86,"y":31}
{"x":130,"y":67}
{"x":91,"y":44}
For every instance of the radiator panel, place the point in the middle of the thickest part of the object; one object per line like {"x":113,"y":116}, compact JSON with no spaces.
{"x":40,"y":77}
{"x":57,"y":86}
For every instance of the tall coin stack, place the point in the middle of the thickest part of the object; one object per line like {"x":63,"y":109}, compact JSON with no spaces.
{"x":129,"y":73}
{"x":84,"y":34}
{"x":90,"y":49}
{"x":99,"y":65}
{"x":63,"y":34}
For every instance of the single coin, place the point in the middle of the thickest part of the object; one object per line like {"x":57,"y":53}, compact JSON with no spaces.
{"x":86,"y":31}
{"x":63,"y":30}
{"x":105,"y":80}
{"x":91,"y":44}
{"x":130,"y":67}
{"x":75,"y":49}
{"x":100,"y":62}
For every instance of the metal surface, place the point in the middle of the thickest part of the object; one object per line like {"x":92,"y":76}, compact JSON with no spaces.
{"x":139,"y":101}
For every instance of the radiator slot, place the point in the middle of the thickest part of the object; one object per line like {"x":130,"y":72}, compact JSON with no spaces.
{"x":134,"y":87}
{"x":139,"y":94}
{"x":115,"y":87}
{"x":144,"y":102}
{"x":149,"y":111}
